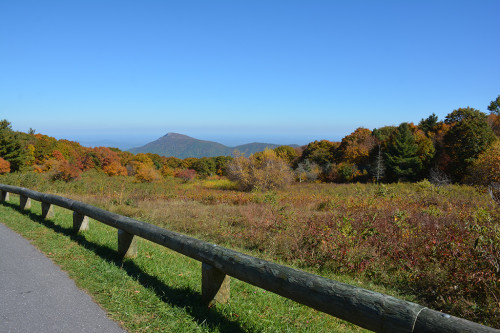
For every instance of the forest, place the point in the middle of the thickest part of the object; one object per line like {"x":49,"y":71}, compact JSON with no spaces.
{"x":462,"y":148}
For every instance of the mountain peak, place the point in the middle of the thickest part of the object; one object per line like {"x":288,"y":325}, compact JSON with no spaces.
{"x":183,"y":146}
{"x":173,"y":135}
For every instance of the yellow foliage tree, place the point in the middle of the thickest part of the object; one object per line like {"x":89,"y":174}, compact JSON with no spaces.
{"x":486,"y":168}
{"x":262,"y":171}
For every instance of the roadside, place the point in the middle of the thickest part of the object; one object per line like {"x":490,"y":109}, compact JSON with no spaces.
{"x":36,"y":296}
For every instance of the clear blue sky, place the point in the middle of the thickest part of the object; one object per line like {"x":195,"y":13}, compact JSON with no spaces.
{"x":239,"y":71}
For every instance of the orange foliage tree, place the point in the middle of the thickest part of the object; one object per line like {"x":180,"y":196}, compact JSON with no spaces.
{"x":115,"y":169}
{"x":355,"y":148}
{"x":4,"y":166}
{"x":486,"y":168}
{"x":65,"y":171}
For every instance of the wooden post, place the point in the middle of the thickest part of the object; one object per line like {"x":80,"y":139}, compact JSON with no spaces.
{"x":80,"y":222}
{"x":214,"y":285}
{"x":24,"y":202}
{"x":47,"y":210}
{"x":4,"y":196}
{"x":127,"y":244}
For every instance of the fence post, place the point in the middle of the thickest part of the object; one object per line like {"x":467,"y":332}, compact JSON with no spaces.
{"x":127,"y":244}
{"x":214,"y":285}
{"x":47,"y":210}
{"x":80,"y":222}
{"x":24,"y":202}
{"x":4,"y":196}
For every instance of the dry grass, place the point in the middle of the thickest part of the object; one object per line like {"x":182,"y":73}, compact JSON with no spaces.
{"x":441,"y":244}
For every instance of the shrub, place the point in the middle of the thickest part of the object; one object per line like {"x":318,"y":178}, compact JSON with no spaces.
{"x":262,"y":171}
{"x":486,"y":169}
{"x":147,"y":174}
{"x":4,"y":166}
{"x":167,"y":171}
{"x":66,"y":172}
{"x":115,"y":169}
{"x":186,"y":174}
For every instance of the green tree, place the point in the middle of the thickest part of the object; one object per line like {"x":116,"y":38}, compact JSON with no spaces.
{"x":320,"y":152}
{"x":427,"y":125}
{"x":11,"y":147}
{"x":402,"y":160}
{"x":468,"y":137}
{"x":495,"y":106}
{"x":205,"y":167}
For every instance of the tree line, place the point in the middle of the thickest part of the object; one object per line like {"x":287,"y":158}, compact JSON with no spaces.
{"x":461,"y":148}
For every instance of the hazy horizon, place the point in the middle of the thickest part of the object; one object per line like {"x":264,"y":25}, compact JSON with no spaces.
{"x":125,"y":142}
{"x":237,"y":71}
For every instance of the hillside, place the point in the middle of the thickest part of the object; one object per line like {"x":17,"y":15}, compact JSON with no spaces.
{"x":183,"y":146}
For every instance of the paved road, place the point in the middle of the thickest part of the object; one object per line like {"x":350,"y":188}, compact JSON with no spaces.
{"x":36,"y":296}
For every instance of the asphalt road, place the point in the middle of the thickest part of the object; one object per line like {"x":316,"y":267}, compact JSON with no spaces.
{"x":36,"y":296}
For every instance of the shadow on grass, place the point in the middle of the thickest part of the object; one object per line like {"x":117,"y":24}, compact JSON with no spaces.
{"x":184,"y":298}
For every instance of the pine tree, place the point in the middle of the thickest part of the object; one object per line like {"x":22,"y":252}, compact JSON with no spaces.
{"x":11,"y":147}
{"x":402,"y":160}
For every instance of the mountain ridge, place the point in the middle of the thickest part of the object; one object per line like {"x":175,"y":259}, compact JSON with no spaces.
{"x":183,"y":146}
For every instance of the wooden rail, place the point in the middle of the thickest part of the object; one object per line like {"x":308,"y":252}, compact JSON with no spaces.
{"x":365,"y":308}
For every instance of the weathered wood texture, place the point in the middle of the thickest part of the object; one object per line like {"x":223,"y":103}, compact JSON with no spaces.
{"x":127,"y":244}
{"x":365,"y":308}
{"x":47,"y":210}
{"x":24,"y":202}
{"x":80,"y":222}
{"x":214,"y":285}
{"x":4,"y":196}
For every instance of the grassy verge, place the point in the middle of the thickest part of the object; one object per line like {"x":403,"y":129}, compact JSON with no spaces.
{"x":159,"y":290}
{"x":440,"y":244}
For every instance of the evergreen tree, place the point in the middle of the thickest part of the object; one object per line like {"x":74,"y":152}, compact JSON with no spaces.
{"x":494,"y":106}
{"x":427,"y":125}
{"x":468,"y":137}
{"x":11,"y":147}
{"x":402,"y":160}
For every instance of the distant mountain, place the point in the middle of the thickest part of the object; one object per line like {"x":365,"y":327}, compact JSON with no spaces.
{"x":183,"y":146}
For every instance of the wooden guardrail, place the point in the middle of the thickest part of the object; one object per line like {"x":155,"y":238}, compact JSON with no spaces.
{"x":365,"y":308}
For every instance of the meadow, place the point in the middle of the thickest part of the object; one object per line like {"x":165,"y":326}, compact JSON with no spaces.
{"x":435,"y":245}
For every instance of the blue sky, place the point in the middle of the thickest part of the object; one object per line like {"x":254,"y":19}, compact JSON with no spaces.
{"x":127,"y":72}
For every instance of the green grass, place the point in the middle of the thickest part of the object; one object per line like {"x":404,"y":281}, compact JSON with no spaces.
{"x":160,"y":289}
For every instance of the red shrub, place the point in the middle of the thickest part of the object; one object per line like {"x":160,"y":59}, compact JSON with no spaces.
{"x":186,"y":174}
{"x":4,"y":166}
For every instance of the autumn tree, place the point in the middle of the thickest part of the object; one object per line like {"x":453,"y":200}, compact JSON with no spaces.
{"x":355,"y":148}
{"x":307,"y":171}
{"x":321,"y":153}
{"x":4,"y":166}
{"x":286,"y":153}
{"x":486,"y":168}
{"x":469,"y":135}
{"x":65,"y":171}
{"x":263,"y":171}
{"x":494,"y":108}
{"x":115,"y":169}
